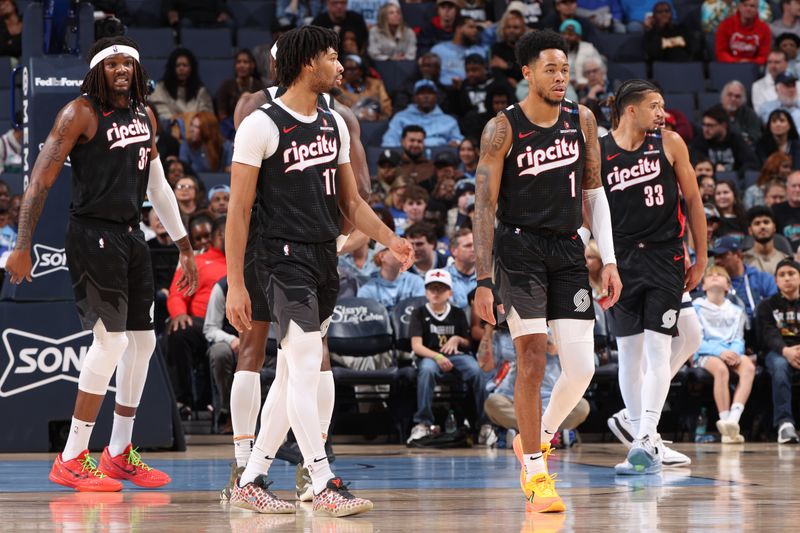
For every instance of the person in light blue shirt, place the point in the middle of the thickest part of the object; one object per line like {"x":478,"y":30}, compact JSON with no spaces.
{"x":462,"y":269}
{"x":452,"y":53}
{"x":388,"y":285}
{"x":440,"y":128}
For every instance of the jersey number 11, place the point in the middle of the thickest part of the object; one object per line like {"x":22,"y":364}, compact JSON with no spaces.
{"x":330,"y":181}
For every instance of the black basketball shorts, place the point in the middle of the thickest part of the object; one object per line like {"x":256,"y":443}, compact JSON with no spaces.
{"x":652,"y":290}
{"x":112,"y":277}
{"x":299,"y":280}
{"x":258,"y":298}
{"x":542,"y":276}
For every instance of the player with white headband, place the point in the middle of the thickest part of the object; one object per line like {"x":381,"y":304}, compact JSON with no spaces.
{"x":109,"y":136}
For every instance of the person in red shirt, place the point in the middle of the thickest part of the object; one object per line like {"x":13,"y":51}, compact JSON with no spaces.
{"x":186,"y":344}
{"x":743,"y":37}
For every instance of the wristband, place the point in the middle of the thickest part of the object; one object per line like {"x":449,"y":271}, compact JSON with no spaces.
{"x":486,"y":282}
{"x":437,"y":356}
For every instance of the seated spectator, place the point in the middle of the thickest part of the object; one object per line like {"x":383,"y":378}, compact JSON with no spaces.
{"x":367,"y":9}
{"x":11,"y":150}
{"x":726,"y":150}
{"x":498,"y":97}
{"x":186,"y":344}
{"x":462,"y":269}
{"x":778,"y":166}
{"x":742,"y":37}
{"x":293,"y":13}
{"x":453,"y":52}
{"x":390,"y":38}
{"x":415,"y":201}
{"x":340,"y":19}
{"x":788,"y":43}
{"x":722,"y":351}
{"x":395,"y":199}
{"x":187,"y":192}
{"x":441,"y":27}
{"x":176,"y":169}
{"x":786,"y":89}
{"x":713,"y":12}
{"x":194,"y":14}
{"x":598,"y":87}
{"x":218,"y":197}
{"x":667,"y":40}
{"x":605,"y":15}
{"x":705,"y":180}
{"x":458,"y":216}
{"x":763,"y":89}
{"x":741,"y":117}
{"x":639,"y":14}
{"x":440,"y":129}
{"x":164,"y":260}
{"x":471,"y":95}
{"x":749,"y":284}
{"x":440,"y":339}
{"x":365,"y":95}
{"x":388,"y":162}
{"x":564,"y":10}
{"x":205,"y":149}
{"x":780,"y":137}
{"x":168,"y":146}
{"x":779,"y":320}
{"x":787,"y":214}
{"x":389,"y":285}
{"x":200,"y":228}
{"x":764,"y":255}
{"x":445,"y":164}
{"x":732,"y":217}
{"x":414,"y":166}
{"x":246,"y":79}
{"x":468,"y":157}
{"x":578,"y":52}
{"x":774,"y":194}
{"x":788,"y":21}
{"x":360,"y":262}
{"x":503,"y":60}
{"x":180,"y":89}
{"x":443,"y":196}
{"x":223,"y":350}
{"x":422,"y":237}
{"x":10,"y":29}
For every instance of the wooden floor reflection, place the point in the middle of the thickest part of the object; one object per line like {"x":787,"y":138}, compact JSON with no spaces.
{"x":727,"y":489}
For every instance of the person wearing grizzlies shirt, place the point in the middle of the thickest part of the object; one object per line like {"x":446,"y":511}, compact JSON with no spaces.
{"x":539,"y":160}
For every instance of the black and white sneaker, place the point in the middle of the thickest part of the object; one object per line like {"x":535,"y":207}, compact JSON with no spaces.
{"x":787,"y":434}
{"x":620,"y":425}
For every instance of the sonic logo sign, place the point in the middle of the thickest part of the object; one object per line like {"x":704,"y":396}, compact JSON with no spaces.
{"x":34,"y":361}
{"x":47,"y":260}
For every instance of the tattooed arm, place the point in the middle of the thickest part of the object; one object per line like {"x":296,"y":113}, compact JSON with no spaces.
{"x":77,"y":119}
{"x":495,"y":143}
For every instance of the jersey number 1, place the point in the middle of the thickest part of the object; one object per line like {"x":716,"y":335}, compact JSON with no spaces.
{"x":330,"y":181}
{"x":572,"y":183}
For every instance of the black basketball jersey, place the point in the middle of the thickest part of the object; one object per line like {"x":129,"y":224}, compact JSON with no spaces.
{"x":324,"y":101}
{"x":110,"y":172}
{"x":543,"y":171}
{"x":297,"y":185}
{"x":642,"y":192}
{"x":437,"y":330}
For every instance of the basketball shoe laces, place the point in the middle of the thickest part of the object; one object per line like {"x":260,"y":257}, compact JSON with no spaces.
{"x":134,"y":458}
{"x":265,"y":485}
{"x":545,"y":485}
{"x":341,"y":488}
{"x":90,"y":465}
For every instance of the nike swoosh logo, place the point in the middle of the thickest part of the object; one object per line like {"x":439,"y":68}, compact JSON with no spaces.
{"x":523,"y":135}
{"x":107,"y":114}
{"x":290,"y":128}
{"x":677,"y":257}
{"x":610,"y":157}
{"x":320,"y":460}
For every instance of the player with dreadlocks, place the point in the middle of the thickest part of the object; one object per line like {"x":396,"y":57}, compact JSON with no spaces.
{"x":108,"y":134}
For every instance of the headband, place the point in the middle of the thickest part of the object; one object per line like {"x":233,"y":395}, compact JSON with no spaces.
{"x":113,"y":50}
{"x":274,"y":51}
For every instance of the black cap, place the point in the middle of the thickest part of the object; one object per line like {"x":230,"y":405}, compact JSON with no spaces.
{"x":464,"y":186}
{"x":390,"y":157}
{"x":787,"y":78}
{"x":445,"y":158}
{"x":787,"y":262}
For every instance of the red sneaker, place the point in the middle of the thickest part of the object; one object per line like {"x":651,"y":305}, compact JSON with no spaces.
{"x":82,"y":474}
{"x":129,"y":465}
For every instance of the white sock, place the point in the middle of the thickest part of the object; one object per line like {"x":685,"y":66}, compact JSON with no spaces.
{"x":687,"y":342}
{"x":326,"y":397}
{"x":630,"y":376}
{"x":321,"y":473}
{"x":736,"y":412}
{"x":655,"y":385}
{"x":121,"y":434}
{"x":534,"y":465}
{"x":723,"y":415}
{"x":245,"y":400}
{"x":258,"y":463}
{"x":78,"y":439}
{"x":547,"y":435}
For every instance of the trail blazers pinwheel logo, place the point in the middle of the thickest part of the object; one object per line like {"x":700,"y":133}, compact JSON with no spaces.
{"x":34,"y":361}
{"x":47,"y":260}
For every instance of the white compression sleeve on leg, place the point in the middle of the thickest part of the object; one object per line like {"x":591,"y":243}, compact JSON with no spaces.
{"x":686,"y":344}
{"x":655,"y":385}
{"x":132,"y":368}
{"x":601,"y":223}
{"x":630,"y":375}
{"x":163,"y":199}
{"x":245,"y":402}
{"x":326,"y":397}
{"x":101,"y":359}
{"x":575,"y":342}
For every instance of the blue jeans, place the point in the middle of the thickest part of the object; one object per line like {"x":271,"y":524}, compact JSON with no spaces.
{"x":466,"y":366}
{"x":781,"y":373}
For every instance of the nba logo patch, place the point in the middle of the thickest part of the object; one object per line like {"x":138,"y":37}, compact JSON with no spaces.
{"x":649,"y":146}
{"x":566,"y":124}
{"x":286,"y":250}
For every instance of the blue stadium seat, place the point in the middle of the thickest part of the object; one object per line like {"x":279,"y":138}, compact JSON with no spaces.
{"x":750,"y":177}
{"x":153,"y":42}
{"x":707,"y":101}
{"x":396,"y":74}
{"x":5,"y":72}
{"x":359,"y":327}
{"x":207,"y":42}
{"x":213,"y":72}
{"x":711,"y":46}
{"x":252,"y":13}
{"x":154,"y":67}
{"x":401,"y":315}
{"x":679,"y":77}
{"x":620,"y":46}
{"x":145,"y":12}
{"x":373,"y":153}
{"x":417,"y":15}
{"x":252,"y":37}
{"x":210,"y":179}
{"x":721,"y":73}
{"x":5,"y":106}
{"x":619,"y":71}
{"x":372,"y":132}
{"x":683,"y":102}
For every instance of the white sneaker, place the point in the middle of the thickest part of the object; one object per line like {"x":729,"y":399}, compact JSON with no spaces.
{"x":487,"y":436}
{"x":620,"y":425}
{"x":787,"y":433}
{"x":736,"y":439}
{"x":729,"y":431}
{"x":419,"y":431}
{"x":644,"y":457}
{"x":674,"y":458}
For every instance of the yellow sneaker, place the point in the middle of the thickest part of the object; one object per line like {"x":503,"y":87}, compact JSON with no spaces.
{"x":517,"y":445}
{"x":542,"y":496}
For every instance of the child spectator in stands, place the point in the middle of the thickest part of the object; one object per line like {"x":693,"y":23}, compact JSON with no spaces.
{"x":363,"y":93}
{"x":733,"y":220}
{"x":193,"y":14}
{"x":722,"y":351}
{"x":390,"y":38}
{"x":10,"y":29}
{"x":779,"y":319}
{"x":186,"y":192}
{"x":180,"y":89}
{"x":395,"y":199}
{"x":246,"y":78}
{"x":769,"y":248}
{"x":389,"y":285}
{"x":468,"y":157}
{"x":218,"y":197}
{"x":204,"y":148}
{"x":776,"y":167}
{"x":780,"y":136}
{"x":774,"y":193}
{"x":713,"y":12}
{"x":440,"y":339}
{"x":742,"y":37}
{"x":667,"y":40}
{"x":465,"y":196}
{"x":503,"y":59}
{"x":415,"y":201}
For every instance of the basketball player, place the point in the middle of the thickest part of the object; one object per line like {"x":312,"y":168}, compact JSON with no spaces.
{"x":540,"y":159}
{"x":645,"y":171}
{"x":108,"y":135}
{"x":297,"y":155}
{"x":246,"y":388}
